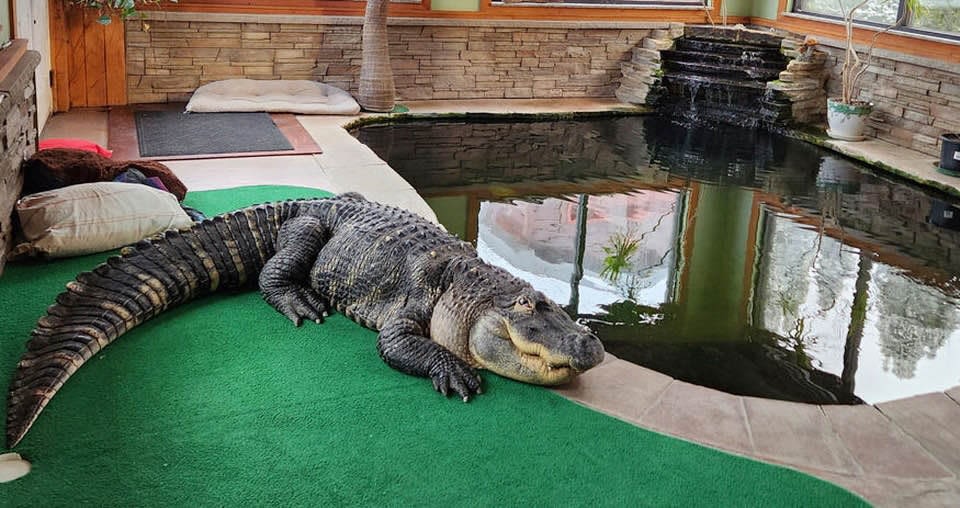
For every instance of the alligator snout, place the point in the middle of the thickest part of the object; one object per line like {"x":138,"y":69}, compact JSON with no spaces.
{"x":587,"y":351}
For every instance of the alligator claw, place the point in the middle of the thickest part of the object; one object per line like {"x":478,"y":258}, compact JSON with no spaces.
{"x":440,"y":386}
{"x":298,"y":303}
{"x":459,"y":379}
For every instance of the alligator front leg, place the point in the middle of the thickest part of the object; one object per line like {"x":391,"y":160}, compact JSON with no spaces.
{"x":284,"y":278}
{"x":403,"y":346}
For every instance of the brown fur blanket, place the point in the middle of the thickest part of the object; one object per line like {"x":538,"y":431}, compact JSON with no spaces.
{"x":58,"y":167}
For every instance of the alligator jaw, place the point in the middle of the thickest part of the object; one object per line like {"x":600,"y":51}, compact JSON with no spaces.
{"x":550,"y":374}
{"x":553,"y":369}
{"x":547,"y":367}
{"x":546,"y":348}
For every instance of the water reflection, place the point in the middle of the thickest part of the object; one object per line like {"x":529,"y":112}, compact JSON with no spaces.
{"x":729,"y":258}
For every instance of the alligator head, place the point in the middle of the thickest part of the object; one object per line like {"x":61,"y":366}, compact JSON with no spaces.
{"x":504,"y":325}
{"x":530,"y":338}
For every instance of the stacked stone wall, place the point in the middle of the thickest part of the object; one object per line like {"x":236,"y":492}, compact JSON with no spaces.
{"x":916,"y":99}
{"x":802,"y":81}
{"x":170,"y":60}
{"x":18,"y":139}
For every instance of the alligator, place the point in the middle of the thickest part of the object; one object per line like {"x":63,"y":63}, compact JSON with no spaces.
{"x":441,"y":312}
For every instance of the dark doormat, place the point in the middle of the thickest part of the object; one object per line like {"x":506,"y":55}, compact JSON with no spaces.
{"x":168,"y":133}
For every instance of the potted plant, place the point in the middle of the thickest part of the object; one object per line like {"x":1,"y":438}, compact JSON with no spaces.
{"x":846,"y":115}
{"x":950,"y":153}
{"x":122,"y":9}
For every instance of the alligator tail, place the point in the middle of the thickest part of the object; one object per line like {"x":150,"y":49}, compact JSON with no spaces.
{"x":144,"y":280}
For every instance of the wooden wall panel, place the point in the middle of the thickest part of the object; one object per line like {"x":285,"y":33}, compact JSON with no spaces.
{"x":94,"y":59}
{"x":76,"y":68}
{"x":115,"y":60}
{"x":59,"y":55}
{"x":89,"y":58}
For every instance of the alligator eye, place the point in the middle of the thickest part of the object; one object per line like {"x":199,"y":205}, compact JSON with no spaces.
{"x":524,"y":302}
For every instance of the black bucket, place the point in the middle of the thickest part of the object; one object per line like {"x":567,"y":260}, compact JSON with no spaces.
{"x":950,"y":154}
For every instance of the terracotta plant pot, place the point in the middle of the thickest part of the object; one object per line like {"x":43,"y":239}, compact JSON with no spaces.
{"x":846,"y":121}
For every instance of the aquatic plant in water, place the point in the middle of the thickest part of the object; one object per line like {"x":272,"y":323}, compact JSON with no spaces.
{"x":623,"y":245}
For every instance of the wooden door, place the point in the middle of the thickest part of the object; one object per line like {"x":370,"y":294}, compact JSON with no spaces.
{"x":88,"y":58}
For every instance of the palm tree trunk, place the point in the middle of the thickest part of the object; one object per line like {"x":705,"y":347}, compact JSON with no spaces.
{"x":377,"y":90}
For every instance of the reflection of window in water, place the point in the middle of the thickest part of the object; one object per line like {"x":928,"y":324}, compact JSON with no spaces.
{"x":914,"y":321}
{"x":805,"y":284}
{"x":906,"y":336}
{"x":538,"y":241}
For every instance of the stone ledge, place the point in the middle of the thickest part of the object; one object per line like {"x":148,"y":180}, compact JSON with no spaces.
{"x":904,"y":162}
{"x":10,"y":56}
{"x":734,"y":34}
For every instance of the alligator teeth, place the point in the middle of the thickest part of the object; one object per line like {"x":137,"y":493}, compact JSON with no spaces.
{"x":541,"y":361}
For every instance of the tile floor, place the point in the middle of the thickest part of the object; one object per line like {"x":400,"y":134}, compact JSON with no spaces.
{"x":900,"y":453}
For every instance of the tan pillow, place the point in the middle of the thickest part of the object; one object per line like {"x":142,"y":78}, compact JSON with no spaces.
{"x":94,"y":217}
{"x":273,"y":96}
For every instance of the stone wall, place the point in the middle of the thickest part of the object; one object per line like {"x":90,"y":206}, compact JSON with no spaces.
{"x":643,"y":69}
{"x":430,"y":60}
{"x":916,"y":99}
{"x":18,"y":139}
{"x":802,"y":81}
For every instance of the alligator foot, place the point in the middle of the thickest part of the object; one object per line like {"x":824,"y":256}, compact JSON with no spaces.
{"x":455,"y":376}
{"x":298,"y":303}
{"x":403,"y":346}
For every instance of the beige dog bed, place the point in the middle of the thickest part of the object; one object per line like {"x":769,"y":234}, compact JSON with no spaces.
{"x":272,"y":96}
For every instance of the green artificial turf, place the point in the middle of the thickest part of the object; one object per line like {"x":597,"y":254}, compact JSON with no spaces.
{"x":223,"y":402}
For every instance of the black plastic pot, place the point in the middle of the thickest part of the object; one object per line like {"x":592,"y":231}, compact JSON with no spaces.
{"x":944,"y":214}
{"x":950,"y":154}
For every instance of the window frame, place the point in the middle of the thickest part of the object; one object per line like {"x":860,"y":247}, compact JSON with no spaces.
{"x":902,"y":27}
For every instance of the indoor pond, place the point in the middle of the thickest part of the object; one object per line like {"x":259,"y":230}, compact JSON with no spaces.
{"x":736,"y":259}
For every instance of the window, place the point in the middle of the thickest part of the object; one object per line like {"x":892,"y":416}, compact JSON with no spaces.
{"x":941,"y":17}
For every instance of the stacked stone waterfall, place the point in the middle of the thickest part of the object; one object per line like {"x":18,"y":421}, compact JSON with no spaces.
{"x":643,"y":70}
{"x":803,"y":81}
{"x":726,"y":74}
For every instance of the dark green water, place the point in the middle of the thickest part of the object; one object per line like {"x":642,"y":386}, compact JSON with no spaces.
{"x":736,"y":259}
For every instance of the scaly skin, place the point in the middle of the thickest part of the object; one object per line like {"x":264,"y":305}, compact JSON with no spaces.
{"x":441,"y":312}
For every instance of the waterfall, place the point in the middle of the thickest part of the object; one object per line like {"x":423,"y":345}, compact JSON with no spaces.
{"x":721,"y":74}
